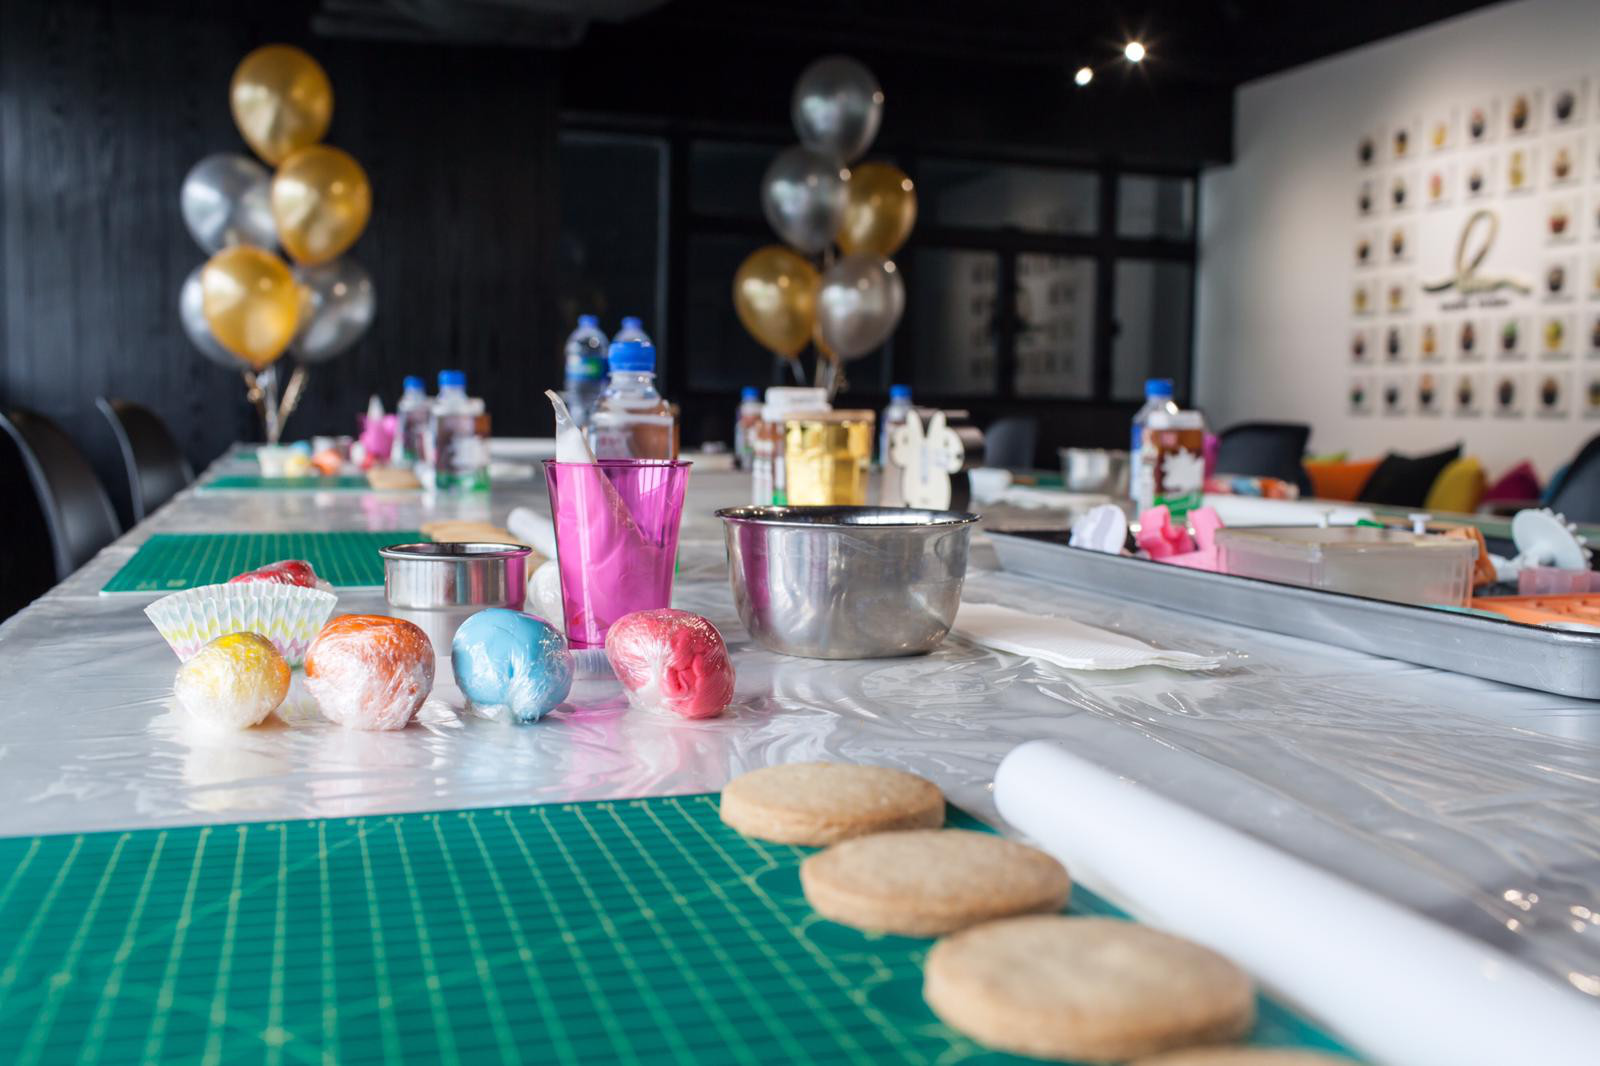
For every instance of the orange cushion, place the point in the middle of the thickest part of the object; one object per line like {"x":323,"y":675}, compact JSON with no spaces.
{"x":1340,"y":481}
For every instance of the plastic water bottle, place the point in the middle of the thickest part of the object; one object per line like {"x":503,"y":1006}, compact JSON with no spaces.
{"x":632,"y":330}
{"x":632,"y":421}
{"x":744,"y":427}
{"x":893,"y":415}
{"x":457,"y":437}
{"x":585,"y":369}
{"x":1167,"y":460}
{"x":411,"y":418}
{"x":1157,"y":397}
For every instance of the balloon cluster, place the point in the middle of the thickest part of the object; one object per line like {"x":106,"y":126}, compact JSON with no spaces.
{"x":816,"y":200}
{"x":245,"y":306}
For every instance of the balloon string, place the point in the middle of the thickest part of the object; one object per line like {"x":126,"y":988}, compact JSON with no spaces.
{"x":292,"y":391}
{"x":256,"y":394}
{"x":266,"y":386}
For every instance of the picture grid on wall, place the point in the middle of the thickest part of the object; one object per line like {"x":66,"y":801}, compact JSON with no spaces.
{"x":1475,"y":281}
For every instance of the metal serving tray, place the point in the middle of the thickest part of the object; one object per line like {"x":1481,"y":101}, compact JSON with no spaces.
{"x":1551,"y":660}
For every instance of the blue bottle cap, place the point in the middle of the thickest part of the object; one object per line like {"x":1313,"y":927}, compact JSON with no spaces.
{"x":588,"y":322}
{"x":452,"y":379}
{"x":899,"y":392}
{"x":412,"y":383}
{"x":633,"y":356}
{"x":632,"y":322}
{"x":1157,"y":387}
{"x":750,"y":392}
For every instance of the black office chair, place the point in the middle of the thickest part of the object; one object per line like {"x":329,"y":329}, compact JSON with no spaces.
{"x":1576,"y":493}
{"x":77,"y":511}
{"x":157,"y":469}
{"x":1009,"y":442}
{"x":1266,"y":449}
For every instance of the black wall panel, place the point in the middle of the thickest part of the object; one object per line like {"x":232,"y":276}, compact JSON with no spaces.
{"x":103,"y":108}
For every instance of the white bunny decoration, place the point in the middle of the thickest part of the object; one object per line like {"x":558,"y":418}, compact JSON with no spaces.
{"x":926,"y":459}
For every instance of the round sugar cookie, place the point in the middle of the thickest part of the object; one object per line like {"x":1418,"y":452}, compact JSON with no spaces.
{"x":819,"y":803}
{"x":1095,"y":989}
{"x":924,"y":882}
{"x":1243,"y":1056}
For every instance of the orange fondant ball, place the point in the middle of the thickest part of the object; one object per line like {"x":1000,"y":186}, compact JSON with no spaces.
{"x":369,"y":671}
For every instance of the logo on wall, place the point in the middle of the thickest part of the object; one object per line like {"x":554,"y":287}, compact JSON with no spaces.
{"x":1467,"y":281}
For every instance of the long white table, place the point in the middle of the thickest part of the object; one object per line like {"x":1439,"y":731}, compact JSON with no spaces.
{"x":1476,"y":803}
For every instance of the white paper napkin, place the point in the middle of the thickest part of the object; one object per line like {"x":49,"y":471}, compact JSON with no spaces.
{"x":1063,"y":642}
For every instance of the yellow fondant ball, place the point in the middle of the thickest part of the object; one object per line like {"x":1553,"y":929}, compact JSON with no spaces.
{"x":234,"y":682}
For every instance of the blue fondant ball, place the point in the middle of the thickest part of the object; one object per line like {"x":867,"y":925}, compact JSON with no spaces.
{"x":505,"y":658}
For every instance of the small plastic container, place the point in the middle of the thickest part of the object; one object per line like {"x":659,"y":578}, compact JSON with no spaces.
{"x":1552,"y":581}
{"x":1380,"y":564}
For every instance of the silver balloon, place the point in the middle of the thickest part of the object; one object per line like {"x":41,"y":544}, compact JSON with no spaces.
{"x":339,"y":308}
{"x":837,"y":106}
{"x":859,"y":305}
{"x":803,"y":197}
{"x":226,"y":199}
{"x":192,"y":313}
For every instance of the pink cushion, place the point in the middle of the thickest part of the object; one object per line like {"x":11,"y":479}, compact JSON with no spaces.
{"x":1518,"y":483}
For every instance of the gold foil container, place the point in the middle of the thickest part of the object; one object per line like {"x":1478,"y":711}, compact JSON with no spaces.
{"x":827,"y":456}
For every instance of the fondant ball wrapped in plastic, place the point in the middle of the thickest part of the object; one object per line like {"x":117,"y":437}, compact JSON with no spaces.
{"x":233,"y":682}
{"x":672,"y":661}
{"x":295,"y":572}
{"x":369,"y":671}
{"x":511,"y":661}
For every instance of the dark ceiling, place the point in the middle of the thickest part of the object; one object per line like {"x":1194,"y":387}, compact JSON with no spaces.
{"x":1214,"y":42}
{"x":963,"y":75}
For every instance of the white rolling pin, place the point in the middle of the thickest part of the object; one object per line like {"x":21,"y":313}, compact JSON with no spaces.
{"x":1398,"y":986}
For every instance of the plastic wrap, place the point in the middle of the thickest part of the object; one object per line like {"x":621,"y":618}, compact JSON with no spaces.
{"x":507,"y":662}
{"x":294,"y":572}
{"x":1474,"y":803}
{"x":233,"y":682}
{"x":370,"y":671}
{"x":671,"y":661}
{"x":288,"y":615}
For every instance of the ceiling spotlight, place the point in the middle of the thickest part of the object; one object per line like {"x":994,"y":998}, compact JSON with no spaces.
{"x":1133,"y":51}
{"x":1084,"y":76}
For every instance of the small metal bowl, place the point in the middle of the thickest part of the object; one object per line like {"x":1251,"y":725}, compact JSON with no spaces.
{"x":472,"y":574}
{"x":847,"y":582}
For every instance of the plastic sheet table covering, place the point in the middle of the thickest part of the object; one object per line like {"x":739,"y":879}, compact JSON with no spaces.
{"x":1473,"y":802}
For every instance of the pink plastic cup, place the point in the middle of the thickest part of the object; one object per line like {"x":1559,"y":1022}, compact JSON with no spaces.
{"x":617,"y":539}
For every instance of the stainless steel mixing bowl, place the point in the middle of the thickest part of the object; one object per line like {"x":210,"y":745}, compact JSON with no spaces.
{"x":847,"y":582}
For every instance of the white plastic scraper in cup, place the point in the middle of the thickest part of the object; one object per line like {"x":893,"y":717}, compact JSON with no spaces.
{"x":571,"y":445}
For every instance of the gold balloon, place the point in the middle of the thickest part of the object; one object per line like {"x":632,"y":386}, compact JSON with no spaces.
{"x":775,"y":294}
{"x":321,"y":200}
{"x":251,"y":302}
{"x":282,"y":101}
{"x":880,"y":209}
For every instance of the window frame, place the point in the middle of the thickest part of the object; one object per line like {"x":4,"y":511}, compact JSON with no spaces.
{"x":1105,"y":247}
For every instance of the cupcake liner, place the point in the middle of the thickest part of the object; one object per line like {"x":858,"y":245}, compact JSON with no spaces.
{"x":287,"y":615}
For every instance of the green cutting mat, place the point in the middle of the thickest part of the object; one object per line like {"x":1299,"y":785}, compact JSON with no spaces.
{"x":168,"y":562}
{"x":257,"y":483}
{"x":628,"y":931}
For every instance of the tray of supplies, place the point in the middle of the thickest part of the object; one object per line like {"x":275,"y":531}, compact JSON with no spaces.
{"x":1562,"y":661}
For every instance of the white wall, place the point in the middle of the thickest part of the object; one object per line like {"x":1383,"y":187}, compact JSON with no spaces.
{"x":1274,"y":314}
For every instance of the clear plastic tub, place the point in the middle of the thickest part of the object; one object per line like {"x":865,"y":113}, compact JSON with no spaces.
{"x":1381,"y":564}
{"x":1552,"y":581}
